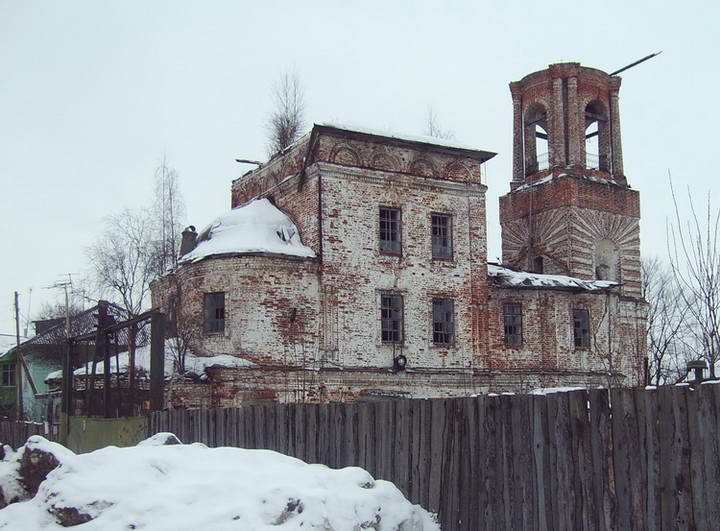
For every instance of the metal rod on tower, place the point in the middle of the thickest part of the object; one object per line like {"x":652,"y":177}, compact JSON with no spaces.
{"x":636,"y":63}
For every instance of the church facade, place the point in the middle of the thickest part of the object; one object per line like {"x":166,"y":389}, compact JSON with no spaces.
{"x":353,"y":265}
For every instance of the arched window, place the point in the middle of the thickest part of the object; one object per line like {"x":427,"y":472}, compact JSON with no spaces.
{"x":597,"y":145}
{"x":607,"y":261}
{"x":536,"y":139}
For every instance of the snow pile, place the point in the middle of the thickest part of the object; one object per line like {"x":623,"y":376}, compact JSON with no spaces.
{"x":22,"y":472}
{"x":257,"y":227}
{"x":190,"y":487}
{"x":520,"y":279}
{"x":193,"y":364}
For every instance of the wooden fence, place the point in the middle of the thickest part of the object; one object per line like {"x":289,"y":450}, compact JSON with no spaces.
{"x":16,"y":433}
{"x":564,"y":461}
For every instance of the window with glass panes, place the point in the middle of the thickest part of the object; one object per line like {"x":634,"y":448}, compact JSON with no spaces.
{"x":390,"y":230}
{"x":443,"y":321}
{"x":581,"y":328}
{"x":215,"y":312}
{"x":391,"y":316}
{"x":512,"y":314}
{"x":442,"y":236}
{"x":8,"y":374}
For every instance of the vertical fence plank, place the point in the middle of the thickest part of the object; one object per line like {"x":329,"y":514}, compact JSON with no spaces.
{"x":709,"y":411}
{"x":682,"y":454}
{"x":416,"y":456}
{"x":696,"y":434}
{"x":495,"y":476}
{"x":565,"y":466}
{"x":621,"y":458}
{"x":438,"y":425}
{"x":541,"y":464}
{"x":648,"y":421}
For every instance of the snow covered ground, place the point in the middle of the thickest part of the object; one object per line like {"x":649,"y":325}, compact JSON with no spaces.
{"x":193,"y":487}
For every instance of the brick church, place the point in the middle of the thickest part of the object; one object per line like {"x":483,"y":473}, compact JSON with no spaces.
{"x":353,"y":265}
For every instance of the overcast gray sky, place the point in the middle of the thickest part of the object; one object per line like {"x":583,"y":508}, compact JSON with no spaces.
{"x":93,"y":93}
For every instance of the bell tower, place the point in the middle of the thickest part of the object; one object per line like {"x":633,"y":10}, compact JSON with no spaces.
{"x":570,"y":210}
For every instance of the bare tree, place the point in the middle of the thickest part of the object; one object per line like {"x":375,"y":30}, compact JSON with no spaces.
{"x":56,"y":309}
{"x":695,"y":263}
{"x":602,"y":344}
{"x":286,"y":121}
{"x":124,"y":259}
{"x":433,"y":128}
{"x":169,"y":212}
{"x":667,"y":324}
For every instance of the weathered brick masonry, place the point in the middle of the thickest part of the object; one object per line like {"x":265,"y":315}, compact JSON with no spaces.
{"x":310,"y":328}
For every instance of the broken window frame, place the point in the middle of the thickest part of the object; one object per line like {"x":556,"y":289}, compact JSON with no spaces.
{"x":442,"y":244}
{"x":392,"y":318}
{"x":581,"y":334}
{"x":8,"y":375}
{"x":214,"y":312}
{"x":443,"y":321}
{"x":390,"y":230}
{"x":512,"y":324}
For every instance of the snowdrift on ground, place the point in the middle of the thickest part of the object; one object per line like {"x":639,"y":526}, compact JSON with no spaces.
{"x":191,"y":487}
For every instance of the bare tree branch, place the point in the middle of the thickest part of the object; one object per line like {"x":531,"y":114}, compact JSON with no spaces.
{"x":125,"y":259}
{"x":433,"y":128}
{"x":695,"y":263}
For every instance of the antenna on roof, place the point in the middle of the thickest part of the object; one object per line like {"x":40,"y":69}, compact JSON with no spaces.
{"x":245,"y":161}
{"x":636,"y":63}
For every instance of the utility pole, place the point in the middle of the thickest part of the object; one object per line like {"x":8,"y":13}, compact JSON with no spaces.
{"x":18,"y":363}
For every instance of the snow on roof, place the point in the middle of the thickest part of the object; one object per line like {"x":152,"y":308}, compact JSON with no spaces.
{"x":550,"y":177}
{"x":185,"y":487}
{"x":257,"y":227}
{"x":522,"y":279}
{"x":193,"y":364}
{"x":7,"y":342}
{"x":410,"y":138}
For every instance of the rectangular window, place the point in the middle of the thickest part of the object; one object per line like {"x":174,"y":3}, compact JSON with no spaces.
{"x":8,"y":374}
{"x":215,"y":313}
{"x":581,"y":328}
{"x":442,"y":236}
{"x":513,"y":324}
{"x":391,"y":315}
{"x":443,"y":321}
{"x":390,"y":230}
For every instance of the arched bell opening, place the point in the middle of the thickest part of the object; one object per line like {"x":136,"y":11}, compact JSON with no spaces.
{"x":597,"y":141}
{"x":536,"y":139}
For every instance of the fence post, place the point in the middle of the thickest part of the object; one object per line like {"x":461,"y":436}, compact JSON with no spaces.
{"x":157,"y":361}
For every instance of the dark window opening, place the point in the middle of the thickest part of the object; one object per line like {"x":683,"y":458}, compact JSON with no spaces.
{"x":215,"y":312}
{"x":443,"y":321}
{"x":390,"y":230}
{"x":391,"y":315}
{"x":8,"y":374}
{"x":512,"y":314}
{"x":442,"y":236}
{"x":581,"y":328}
